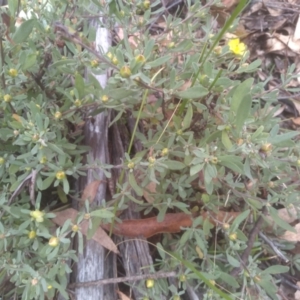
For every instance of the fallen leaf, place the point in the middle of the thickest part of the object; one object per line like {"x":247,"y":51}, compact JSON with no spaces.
{"x":90,"y":192}
{"x":150,"y":226}
{"x":172,"y":223}
{"x":292,"y":236}
{"x":100,"y":235}
{"x":297,"y":293}
{"x":122,"y":296}
{"x":150,"y":189}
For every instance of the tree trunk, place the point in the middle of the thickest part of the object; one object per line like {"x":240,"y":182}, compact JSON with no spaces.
{"x":94,"y":264}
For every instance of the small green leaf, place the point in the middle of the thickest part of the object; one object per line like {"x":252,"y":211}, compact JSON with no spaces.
{"x":277,"y":269}
{"x":102,"y":213}
{"x":239,"y":93}
{"x":29,"y":62}
{"x":274,"y":214}
{"x":66,"y":186}
{"x":240,"y":218}
{"x":186,"y":123}
{"x":196,"y":169}
{"x":226,"y":140}
{"x":198,"y":91}
{"x":158,"y":62}
{"x":232,"y":261}
{"x":243,"y":112}
{"x":134,"y":185}
{"x":79,"y":84}
{"x":121,"y":93}
{"x":62,"y":195}
{"x":174,"y":165}
{"x":46,"y":183}
{"x":24,"y":31}
{"x":283,"y":137}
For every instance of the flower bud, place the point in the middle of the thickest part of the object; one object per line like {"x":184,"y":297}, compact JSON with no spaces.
{"x":125,"y":72}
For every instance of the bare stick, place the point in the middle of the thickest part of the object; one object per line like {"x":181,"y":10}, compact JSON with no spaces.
{"x":123,"y":279}
{"x":253,"y":234}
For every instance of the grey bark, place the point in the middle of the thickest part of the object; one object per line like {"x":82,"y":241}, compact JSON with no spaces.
{"x":94,"y":264}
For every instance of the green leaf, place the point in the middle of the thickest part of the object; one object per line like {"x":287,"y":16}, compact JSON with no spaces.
{"x":227,"y":278}
{"x":243,"y":112}
{"x":24,"y":31}
{"x":63,"y":62}
{"x":148,"y":47}
{"x":134,"y":185}
{"x":239,"y":94}
{"x":56,"y":149}
{"x":79,"y":84}
{"x":232,"y":261}
{"x":46,"y":183}
{"x":196,"y":169}
{"x":174,"y":165}
{"x":283,"y":137}
{"x":274,"y":214}
{"x":12,"y":6}
{"x":247,"y":168}
{"x":66,"y":186}
{"x":95,"y":225}
{"x":240,"y":218}
{"x":5,"y":134}
{"x":102,"y":213}
{"x":186,"y":123}
{"x":29,"y":62}
{"x":158,"y":62}
{"x":226,"y":140}
{"x":200,"y":275}
{"x":198,"y":91}
{"x":62,"y":195}
{"x":249,"y":69}
{"x":122,"y":93}
{"x":232,"y":162}
{"x":277,"y":269}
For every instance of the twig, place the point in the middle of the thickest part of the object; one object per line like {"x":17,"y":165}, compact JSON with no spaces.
{"x":17,"y":191}
{"x":254,"y":232}
{"x":123,"y":279}
{"x":274,"y":248}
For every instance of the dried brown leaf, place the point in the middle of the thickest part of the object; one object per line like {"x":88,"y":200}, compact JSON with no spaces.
{"x":100,"y":235}
{"x":150,"y":189}
{"x":292,"y":236}
{"x":90,"y":192}
{"x":122,"y":296}
{"x":172,"y":223}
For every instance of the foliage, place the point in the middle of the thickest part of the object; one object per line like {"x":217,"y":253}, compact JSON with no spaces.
{"x":209,"y":143}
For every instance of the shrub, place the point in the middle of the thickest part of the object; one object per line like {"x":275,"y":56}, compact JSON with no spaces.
{"x":209,"y":143}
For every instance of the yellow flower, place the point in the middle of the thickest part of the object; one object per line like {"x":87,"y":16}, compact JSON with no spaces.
{"x":150,"y":283}
{"x":12,"y":72}
{"x":37,"y":215}
{"x":164,"y":151}
{"x":7,"y":98}
{"x":75,"y":228}
{"x":43,"y":160}
{"x":32,"y":234}
{"x":104,"y":98}
{"x":60,"y":175}
{"x":237,"y":47}
{"x":130,"y":165}
{"x":54,"y":241}
{"x":77,"y":103}
{"x":57,"y":115}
